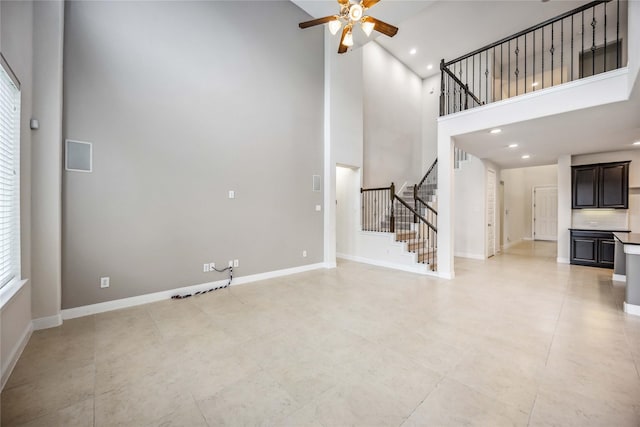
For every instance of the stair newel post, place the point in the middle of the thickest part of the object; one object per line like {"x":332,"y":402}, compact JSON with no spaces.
{"x":392,"y":220}
{"x":466,"y":97}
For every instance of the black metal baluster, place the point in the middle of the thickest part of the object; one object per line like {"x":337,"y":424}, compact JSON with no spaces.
{"x":572,"y":75}
{"x":493,"y":71}
{"x":473,"y":74}
{"x":517,"y":52}
{"x":501,"y":72}
{"x":533,"y":70}
{"x":593,"y":43}
{"x":552,"y":50}
{"x":618,"y":35}
{"x":542,"y":53}
{"x":582,"y":51}
{"x":561,"y":51}
{"x":605,"y":37}
{"x":509,"y":69}
{"x":486,"y":77}
{"x":525,"y":63}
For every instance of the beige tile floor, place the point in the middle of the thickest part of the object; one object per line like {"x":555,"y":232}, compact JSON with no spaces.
{"x":513,"y":341}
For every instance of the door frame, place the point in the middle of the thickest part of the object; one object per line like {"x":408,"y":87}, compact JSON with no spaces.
{"x":533,"y":210}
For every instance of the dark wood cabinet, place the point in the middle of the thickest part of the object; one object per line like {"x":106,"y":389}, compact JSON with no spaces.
{"x":604,"y":185}
{"x":594,"y":248}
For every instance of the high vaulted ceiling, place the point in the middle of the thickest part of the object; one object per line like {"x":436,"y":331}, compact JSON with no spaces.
{"x":451,"y":28}
{"x":446,"y":28}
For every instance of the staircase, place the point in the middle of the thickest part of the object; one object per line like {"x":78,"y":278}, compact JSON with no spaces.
{"x":411,"y":215}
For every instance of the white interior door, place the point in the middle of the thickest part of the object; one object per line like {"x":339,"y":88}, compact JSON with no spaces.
{"x":491,"y":213}
{"x":545,"y":213}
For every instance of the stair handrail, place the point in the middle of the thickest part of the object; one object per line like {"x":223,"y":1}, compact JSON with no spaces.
{"x":416,"y":214}
{"x":426,"y":175}
{"x":419,"y":199}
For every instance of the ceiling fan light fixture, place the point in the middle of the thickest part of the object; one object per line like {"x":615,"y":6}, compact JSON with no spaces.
{"x":348,"y":39}
{"x":334,"y":26}
{"x":367,"y":27}
{"x":355,"y":12}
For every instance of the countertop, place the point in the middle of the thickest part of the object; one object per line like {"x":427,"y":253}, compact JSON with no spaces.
{"x":628,"y":238}
{"x":597,"y":229}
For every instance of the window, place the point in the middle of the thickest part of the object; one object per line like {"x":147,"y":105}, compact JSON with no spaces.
{"x":9,"y":175}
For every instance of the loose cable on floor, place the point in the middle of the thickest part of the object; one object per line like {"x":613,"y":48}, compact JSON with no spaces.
{"x":209,"y":290}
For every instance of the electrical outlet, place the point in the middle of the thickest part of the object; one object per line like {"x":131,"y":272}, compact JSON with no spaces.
{"x":212,"y":266}
{"x":232,"y":194}
{"x":304,"y":253}
{"x":205,"y":268}
{"x":231,"y":263}
{"x":104,"y":282}
{"x":236,"y":263}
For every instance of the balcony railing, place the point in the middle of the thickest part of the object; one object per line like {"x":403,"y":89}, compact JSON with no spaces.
{"x":577,"y":44}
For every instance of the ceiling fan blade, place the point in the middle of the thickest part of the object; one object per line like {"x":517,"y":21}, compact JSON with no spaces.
{"x":369,"y":3}
{"x":383,"y":27}
{"x":318,"y":21}
{"x":342,"y":48}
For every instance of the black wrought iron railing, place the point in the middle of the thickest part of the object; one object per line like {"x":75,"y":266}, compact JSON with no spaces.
{"x":384,"y":211}
{"x":580,"y":43}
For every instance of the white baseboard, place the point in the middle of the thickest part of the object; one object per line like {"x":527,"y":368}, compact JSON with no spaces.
{"x":469,"y":255}
{"x":632,"y":309}
{"x":87,"y":310}
{"x":527,"y":238}
{"x":419,"y":269}
{"x":47,"y":322}
{"x":449,"y":276}
{"x":330,"y":264}
{"x":562,"y":260}
{"x":619,"y":277}
{"x":16,"y":352}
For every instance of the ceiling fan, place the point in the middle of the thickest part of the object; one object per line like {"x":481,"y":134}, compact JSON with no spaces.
{"x":351,"y":14}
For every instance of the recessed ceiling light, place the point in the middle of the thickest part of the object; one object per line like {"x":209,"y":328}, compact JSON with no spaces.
{"x":413,"y":51}
{"x":534,"y":84}
{"x":494,"y":131}
{"x":430,"y":67}
{"x":525,"y":156}
{"x":513,"y":145}
{"x":636,"y":143}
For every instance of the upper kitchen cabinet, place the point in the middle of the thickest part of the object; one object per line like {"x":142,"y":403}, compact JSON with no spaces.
{"x":604,"y":185}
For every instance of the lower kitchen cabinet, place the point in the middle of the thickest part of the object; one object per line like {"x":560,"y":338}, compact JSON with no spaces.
{"x":593,"y":248}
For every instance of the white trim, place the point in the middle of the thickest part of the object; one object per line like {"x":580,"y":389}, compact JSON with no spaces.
{"x":87,"y":310}
{"x":528,"y":239}
{"x":562,"y":260}
{"x":619,"y":277}
{"x":469,"y":255}
{"x":47,"y":322}
{"x":448,"y":276}
{"x":8,"y":291}
{"x":418,"y":269}
{"x":330,"y":265}
{"x":631,"y":309}
{"x":15,"y":354}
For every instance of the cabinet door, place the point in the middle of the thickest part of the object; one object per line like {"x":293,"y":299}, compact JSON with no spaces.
{"x":614,"y":186}
{"x":584,"y":250}
{"x":585,"y":187}
{"x":606,"y":249}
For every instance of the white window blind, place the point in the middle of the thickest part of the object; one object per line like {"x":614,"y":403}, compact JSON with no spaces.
{"x":9,"y":178}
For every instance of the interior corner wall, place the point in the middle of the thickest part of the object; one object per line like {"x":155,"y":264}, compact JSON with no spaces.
{"x":430,"y":114}
{"x":564,"y":208}
{"x":178,"y":117}
{"x":16,"y":45}
{"x":392,"y":120}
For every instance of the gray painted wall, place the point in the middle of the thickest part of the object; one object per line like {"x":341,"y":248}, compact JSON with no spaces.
{"x":184,"y":101}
